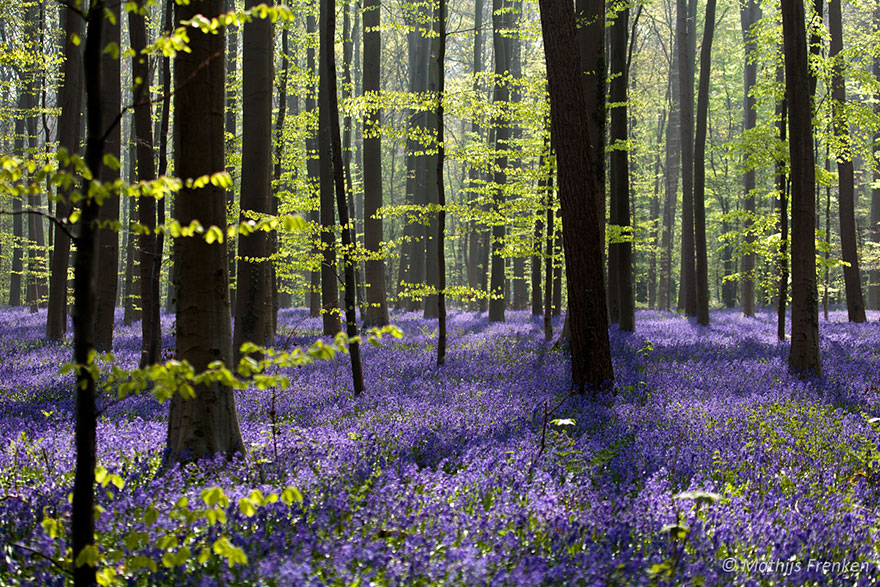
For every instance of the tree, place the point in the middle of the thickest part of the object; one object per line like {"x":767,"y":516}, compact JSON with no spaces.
{"x":377,"y":305}
{"x":143,"y":131}
{"x":855,"y":304}
{"x":804,"y":357}
{"x":108,"y":247}
{"x":620,"y":279}
{"x":686,"y":95}
{"x":702,"y":266}
{"x":440,"y":23}
{"x":208,"y":423}
{"x":590,"y":351}
{"x":750,"y":13}
{"x":69,"y":132}
{"x":253,"y":302}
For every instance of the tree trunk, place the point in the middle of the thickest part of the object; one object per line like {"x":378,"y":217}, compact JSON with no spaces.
{"x":686,"y":95}
{"x":475,"y":268}
{"x":548,"y":260}
{"x":750,"y":13}
{"x":328,"y":81}
{"x":377,"y":305}
{"x":440,"y":22}
{"x":590,"y":352}
{"x":781,"y":185}
{"x":312,"y":167}
{"x":804,"y":356}
{"x":874,"y":232}
{"x":253,"y":299}
{"x":108,"y":247}
{"x":673,"y":162}
{"x":622,"y":257}
{"x":855,"y":304}
{"x":702,"y":266}
{"x":208,"y":423}
{"x":69,"y":132}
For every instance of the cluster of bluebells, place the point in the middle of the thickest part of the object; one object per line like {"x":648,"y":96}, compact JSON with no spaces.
{"x":461,"y":474}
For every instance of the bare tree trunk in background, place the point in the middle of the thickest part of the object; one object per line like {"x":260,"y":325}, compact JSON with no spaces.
{"x":208,"y":423}
{"x":702,"y":266}
{"x":329,"y":286}
{"x":108,"y":247}
{"x":281,"y":299}
{"x":688,"y":285}
{"x":312,"y":168}
{"x":69,"y":133}
{"x":804,"y":357}
{"x":750,"y":13}
{"x":440,"y":22}
{"x":476,"y":230}
{"x":673,"y":162}
{"x":623,"y":310}
{"x":874,"y":232}
{"x":855,"y":304}
{"x":548,"y":259}
{"x":19,"y":242}
{"x":781,"y":187}
{"x":377,"y":305}
{"x":253,"y":299}
{"x":232,"y":139}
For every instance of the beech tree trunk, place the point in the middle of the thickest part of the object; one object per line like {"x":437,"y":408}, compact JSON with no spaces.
{"x":686,"y":95}
{"x":804,"y":357}
{"x":312,"y":168}
{"x":855,"y":304}
{"x":874,"y":232}
{"x":590,"y":351}
{"x":69,"y":132}
{"x":208,"y":423}
{"x":253,"y":299}
{"x":673,"y":162}
{"x":702,"y":266}
{"x":377,"y":305}
{"x":750,"y":13}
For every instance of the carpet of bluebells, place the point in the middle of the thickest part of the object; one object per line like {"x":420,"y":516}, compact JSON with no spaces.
{"x":709,"y":465}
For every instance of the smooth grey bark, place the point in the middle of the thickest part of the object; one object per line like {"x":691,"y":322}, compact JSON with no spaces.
{"x":671,"y":176}
{"x":208,"y":423}
{"x":253,"y":299}
{"x":874,"y":232}
{"x":804,"y":357}
{"x":686,"y":96}
{"x":750,"y":13}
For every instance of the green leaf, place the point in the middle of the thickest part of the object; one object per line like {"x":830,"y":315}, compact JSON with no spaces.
{"x":291,"y":495}
{"x":88,"y":556}
{"x":246,"y":507}
{"x":111,"y":162}
{"x":75,"y":40}
{"x":112,"y":49}
{"x":214,"y":496}
{"x":213,"y":234}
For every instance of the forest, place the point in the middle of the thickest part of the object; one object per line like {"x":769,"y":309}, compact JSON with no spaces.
{"x":439,"y":292}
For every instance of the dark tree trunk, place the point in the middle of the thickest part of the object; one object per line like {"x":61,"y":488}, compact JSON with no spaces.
{"x":313,"y":169}
{"x":143,"y":132}
{"x":590,"y":353}
{"x":501,"y":22}
{"x":108,"y":247}
{"x":686,"y":95}
{"x":476,"y":230}
{"x":328,"y":82}
{"x":253,"y":299}
{"x":329,"y":286}
{"x":804,"y":356}
{"x":548,"y":260}
{"x":69,"y":132}
{"x":781,"y":186}
{"x":855,"y":304}
{"x":702,"y":266}
{"x":208,"y":423}
{"x":750,"y":13}
{"x":440,"y":22}
{"x":19,"y":242}
{"x":673,"y":162}
{"x":874,"y":232}
{"x":624,"y":308}
{"x":232,"y":139}
{"x":377,"y":305}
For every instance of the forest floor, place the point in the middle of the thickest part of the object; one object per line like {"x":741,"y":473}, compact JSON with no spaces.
{"x":711,"y":465}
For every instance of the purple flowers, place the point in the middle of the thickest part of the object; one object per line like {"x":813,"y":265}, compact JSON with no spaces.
{"x":434,"y":474}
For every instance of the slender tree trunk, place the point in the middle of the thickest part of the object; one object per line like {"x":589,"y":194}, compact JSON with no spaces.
{"x":312,"y":167}
{"x":475,"y":268}
{"x":500,"y":22}
{"x":855,"y":304}
{"x":69,"y":132}
{"x":253,"y":300}
{"x":548,"y":260}
{"x":208,"y":423}
{"x":329,"y":286}
{"x":328,"y":82}
{"x":750,"y":13}
{"x":804,"y":356}
{"x":441,"y":191}
{"x":686,"y":94}
{"x":702,"y":266}
{"x":108,"y":247}
{"x":377,"y":306}
{"x":622,"y":256}
{"x":781,"y":186}
{"x":673,"y":162}
{"x":874,"y":232}
{"x":590,"y":352}
{"x":233,"y":143}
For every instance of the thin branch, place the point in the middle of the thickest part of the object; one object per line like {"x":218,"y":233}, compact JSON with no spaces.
{"x":61,"y":567}
{"x":62,"y":225}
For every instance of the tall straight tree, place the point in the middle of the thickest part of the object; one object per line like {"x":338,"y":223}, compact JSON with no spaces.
{"x":702,"y":265}
{"x":108,"y":247}
{"x":501,"y":25}
{"x":253,"y":299}
{"x":590,"y":23}
{"x":476,"y":242}
{"x":781,"y":187}
{"x":686,"y":95}
{"x":327,"y":25}
{"x":673,"y":162}
{"x":329,"y":287}
{"x":208,"y":423}
{"x":69,"y":132}
{"x":143,"y":131}
{"x":377,"y":305}
{"x":750,"y":13}
{"x":440,"y":29}
{"x":620,"y":209}
{"x":874,"y":233}
{"x":855,"y":304}
{"x":312,"y":167}
{"x":804,"y":357}
{"x":590,"y":350}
